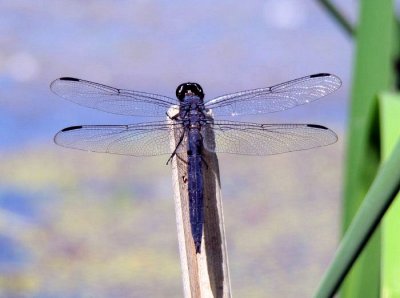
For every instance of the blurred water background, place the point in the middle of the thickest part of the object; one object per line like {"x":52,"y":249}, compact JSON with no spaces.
{"x":78,"y":224}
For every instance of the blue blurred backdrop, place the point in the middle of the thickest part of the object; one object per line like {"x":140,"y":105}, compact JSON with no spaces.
{"x":77,"y":224}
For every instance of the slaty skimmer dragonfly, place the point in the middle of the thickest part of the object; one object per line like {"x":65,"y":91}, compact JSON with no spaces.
{"x":191,"y":122}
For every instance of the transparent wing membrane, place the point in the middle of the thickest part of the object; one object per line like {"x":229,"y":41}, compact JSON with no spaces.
{"x":144,"y":139}
{"x":154,"y":138}
{"x":265,"y":139}
{"x":276,"y":98}
{"x":111,"y":100}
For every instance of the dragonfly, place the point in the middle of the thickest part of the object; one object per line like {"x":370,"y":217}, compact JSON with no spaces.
{"x":192,"y":121}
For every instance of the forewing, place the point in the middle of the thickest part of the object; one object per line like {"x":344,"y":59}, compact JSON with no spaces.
{"x":143,"y":139}
{"x":111,"y":100}
{"x":264,"y":139}
{"x":276,"y":98}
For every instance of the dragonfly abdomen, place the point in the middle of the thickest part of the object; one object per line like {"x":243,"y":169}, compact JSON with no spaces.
{"x":195,"y":186}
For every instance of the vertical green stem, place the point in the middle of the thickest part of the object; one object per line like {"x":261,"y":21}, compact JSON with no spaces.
{"x":373,"y":73}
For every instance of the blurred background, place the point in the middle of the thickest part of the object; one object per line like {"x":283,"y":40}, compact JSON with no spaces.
{"x":78,"y":224}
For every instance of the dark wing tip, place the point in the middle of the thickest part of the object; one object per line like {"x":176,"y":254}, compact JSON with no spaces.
{"x":71,"y":128}
{"x":54,"y":84}
{"x":68,"y":79}
{"x":316,"y":126}
{"x":320,"y":75}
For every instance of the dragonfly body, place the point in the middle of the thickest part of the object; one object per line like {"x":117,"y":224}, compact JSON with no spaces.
{"x":191,"y":124}
{"x":193,"y":117}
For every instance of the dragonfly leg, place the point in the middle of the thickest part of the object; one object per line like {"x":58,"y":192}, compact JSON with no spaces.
{"x":176,"y":148}
{"x":204,"y":161}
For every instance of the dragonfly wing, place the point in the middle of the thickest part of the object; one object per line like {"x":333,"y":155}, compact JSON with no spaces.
{"x":111,"y":100}
{"x":264,"y":139}
{"x":276,"y":98}
{"x":143,"y":139}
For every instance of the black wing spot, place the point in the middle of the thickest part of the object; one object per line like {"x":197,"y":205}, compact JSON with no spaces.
{"x":316,"y":126}
{"x":71,"y":128}
{"x":68,"y":79}
{"x":320,"y":75}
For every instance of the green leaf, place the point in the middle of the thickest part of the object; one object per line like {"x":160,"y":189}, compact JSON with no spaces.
{"x":377,"y":201}
{"x":390,"y":131}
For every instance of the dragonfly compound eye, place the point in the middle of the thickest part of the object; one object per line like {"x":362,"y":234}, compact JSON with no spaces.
{"x":189,"y":87}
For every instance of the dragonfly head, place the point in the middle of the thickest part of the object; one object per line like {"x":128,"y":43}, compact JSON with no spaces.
{"x":186,"y":88}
